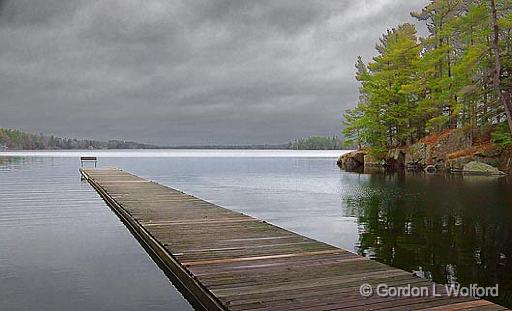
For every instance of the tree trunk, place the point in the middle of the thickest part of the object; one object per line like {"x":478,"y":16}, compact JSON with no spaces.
{"x":504,"y":97}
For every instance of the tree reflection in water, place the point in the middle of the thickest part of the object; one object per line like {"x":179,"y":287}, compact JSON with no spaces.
{"x":445,"y":228}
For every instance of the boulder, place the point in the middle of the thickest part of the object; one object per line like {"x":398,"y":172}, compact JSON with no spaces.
{"x":457,"y":164}
{"x":352,"y":161}
{"x":479,"y":168}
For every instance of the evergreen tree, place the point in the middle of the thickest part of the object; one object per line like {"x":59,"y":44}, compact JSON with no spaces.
{"x":459,"y":75}
{"x":386,"y":112}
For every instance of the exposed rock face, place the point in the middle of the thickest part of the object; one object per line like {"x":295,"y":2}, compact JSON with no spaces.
{"x":435,"y":150}
{"x":372,"y":162}
{"x":479,"y":168}
{"x":491,"y":156}
{"x":352,"y":161}
{"x":457,"y":164}
{"x":451,"y":151}
{"x":395,"y":159}
{"x":361,"y":161}
{"x":416,"y":156}
{"x":506,"y":161}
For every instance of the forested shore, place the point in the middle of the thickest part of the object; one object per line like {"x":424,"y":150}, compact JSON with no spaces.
{"x":11,"y":139}
{"x":458,"y":77}
{"x":19,"y":140}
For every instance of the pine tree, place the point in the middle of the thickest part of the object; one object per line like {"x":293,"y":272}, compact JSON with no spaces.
{"x":460,"y":75}
{"x":385,"y":114}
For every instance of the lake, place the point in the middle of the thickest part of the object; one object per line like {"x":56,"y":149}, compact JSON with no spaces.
{"x":62,"y":248}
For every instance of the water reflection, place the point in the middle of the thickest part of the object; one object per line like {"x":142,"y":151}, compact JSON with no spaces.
{"x":55,"y":228}
{"x":446,"y":228}
{"x":62,"y":249}
{"x":8,"y":163}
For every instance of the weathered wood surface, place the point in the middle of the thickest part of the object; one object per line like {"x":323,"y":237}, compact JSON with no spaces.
{"x":230,"y":261}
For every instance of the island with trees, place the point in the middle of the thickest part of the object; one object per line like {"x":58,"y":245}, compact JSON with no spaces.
{"x":442,"y":101}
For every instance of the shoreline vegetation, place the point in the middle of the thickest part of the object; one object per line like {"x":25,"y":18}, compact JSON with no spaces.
{"x":19,"y":140}
{"x":441,"y":102}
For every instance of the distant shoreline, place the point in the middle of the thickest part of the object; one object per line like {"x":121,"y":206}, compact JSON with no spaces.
{"x":17,"y":140}
{"x":269,"y":147}
{"x":177,"y":153}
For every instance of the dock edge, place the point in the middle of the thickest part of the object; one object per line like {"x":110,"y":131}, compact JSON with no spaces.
{"x":193,"y":288}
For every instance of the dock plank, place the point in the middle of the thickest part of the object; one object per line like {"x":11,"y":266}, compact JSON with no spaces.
{"x":230,"y":261}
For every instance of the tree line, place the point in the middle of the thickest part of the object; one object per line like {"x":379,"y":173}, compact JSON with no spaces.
{"x":19,"y":140}
{"x":317,"y":143}
{"x":458,"y":76}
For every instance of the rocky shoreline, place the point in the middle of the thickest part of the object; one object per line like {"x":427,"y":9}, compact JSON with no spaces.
{"x":455,"y":151}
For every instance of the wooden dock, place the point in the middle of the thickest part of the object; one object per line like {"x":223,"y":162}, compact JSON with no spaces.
{"x":226,"y":260}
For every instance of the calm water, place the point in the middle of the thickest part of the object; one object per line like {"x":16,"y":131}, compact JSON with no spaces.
{"x":62,"y":248}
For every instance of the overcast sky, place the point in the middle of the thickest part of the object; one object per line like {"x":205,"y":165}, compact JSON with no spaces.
{"x":186,"y":72}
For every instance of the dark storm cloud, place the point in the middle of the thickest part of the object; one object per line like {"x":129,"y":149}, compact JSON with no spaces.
{"x":186,"y":72}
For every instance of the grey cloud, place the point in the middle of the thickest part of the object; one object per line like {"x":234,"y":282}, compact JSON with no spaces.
{"x":186,"y":72}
